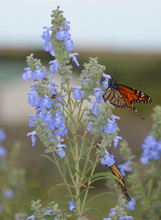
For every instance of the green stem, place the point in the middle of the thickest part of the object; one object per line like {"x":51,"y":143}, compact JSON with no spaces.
{"x":70,"y":172}
{"x":88,"y":156}
{"x":77,"y":184}
{"x":65,"y":181}
{"x":86,"y":193}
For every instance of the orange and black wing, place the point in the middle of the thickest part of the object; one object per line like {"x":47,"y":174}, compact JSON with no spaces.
{"x":114,"y":97}
{"x":122,"y":96}
{"x":133,"y":95}
{"x":117,"y":173}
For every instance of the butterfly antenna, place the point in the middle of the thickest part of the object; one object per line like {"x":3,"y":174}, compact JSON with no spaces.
{"x":115,"y":74}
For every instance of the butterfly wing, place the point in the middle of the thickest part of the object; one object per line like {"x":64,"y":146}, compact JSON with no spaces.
{"x":133,"y":95}
{"x":123,"y":97}
{"x":117,"y":173}
{"x":114,"y":97}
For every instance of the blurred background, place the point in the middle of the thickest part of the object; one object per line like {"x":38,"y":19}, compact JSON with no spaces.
{"x":124,"y":35}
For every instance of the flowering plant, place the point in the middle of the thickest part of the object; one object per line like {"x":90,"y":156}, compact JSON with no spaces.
{"x":75,"y":133}
{"x":60,"y":116}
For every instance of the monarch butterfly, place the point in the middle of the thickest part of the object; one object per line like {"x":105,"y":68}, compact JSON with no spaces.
{"x":122,"y":96}
{"x":117,"y":173}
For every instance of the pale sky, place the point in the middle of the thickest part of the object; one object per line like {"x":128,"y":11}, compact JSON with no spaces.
{"x":118,"y":25}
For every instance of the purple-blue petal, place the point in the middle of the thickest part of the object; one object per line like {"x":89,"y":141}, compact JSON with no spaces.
{"x":108,"y":159}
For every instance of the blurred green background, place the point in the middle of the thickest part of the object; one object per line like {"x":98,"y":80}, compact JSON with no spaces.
{"x":141,"y":71}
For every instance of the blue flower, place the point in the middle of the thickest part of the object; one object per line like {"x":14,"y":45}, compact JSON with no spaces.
{"x":45,"y":102}
{"x":72,"y":55}
{"x":116,"y":140}
{"x":3,"y":152}
{"x":48,"y":45}
{"x":58,"y":120}
{"x":89,"y":128}
{"x":72,"y":206}
{"x":39,"y":73}
{"x":49,"y":212}
{"x":110,"y":127}
{"x":62,"y":35}
{"x":66,"y":25}
{"x":77,"y":93}
{"x":61,"y":152}
{"x":32,"y":217}
{"x":32,"y":120}
{"x":69,"y":44}
{"x":151,"y":150}
{"x":98,"y":94}
{"x":2,"y":135}
{"x":124,"y":168}
{"x":108,"y":159}
{"x":113,"y":214}
{"x":33,"y":98}
{"x":84,"y":81}
{"x":126,"y":217}
{"x":144,"y":159}
{"x":33,"y":138}
{"x":105,"y":82}
{"x":52,"y":89}
{"x":28,"y":74}
{"x":61,"y":131}
{"x":114,"y":117}
{"x":9,"y":194}
{"x":95,"y":108}
{"x":54,"y":66}
{"x":131,"y":204}
{"x":46,"y":35}
{"x":47,"y":118}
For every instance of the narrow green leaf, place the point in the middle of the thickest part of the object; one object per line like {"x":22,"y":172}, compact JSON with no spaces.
{"x":68,"y":151}
{"x":64,"y":170}
{"x":93,"y":210}
{"x":100,"y":178}
{"x":81,"y":116}
{"x":70,"y":116}
{"x":53,"y":203}
{"x":81,"y":193}
{"x":91,"y":166}
{"x":103,"y":174}
{"x":67,"y":210}
{"x":101,"y":194}
{"x":73,"y":167}
{"x":56,"y":187}
{"x":81,"y":125}
{"x":49,"y":158}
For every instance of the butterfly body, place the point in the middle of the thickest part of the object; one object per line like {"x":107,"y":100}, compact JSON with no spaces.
{"x":122,"y":96}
